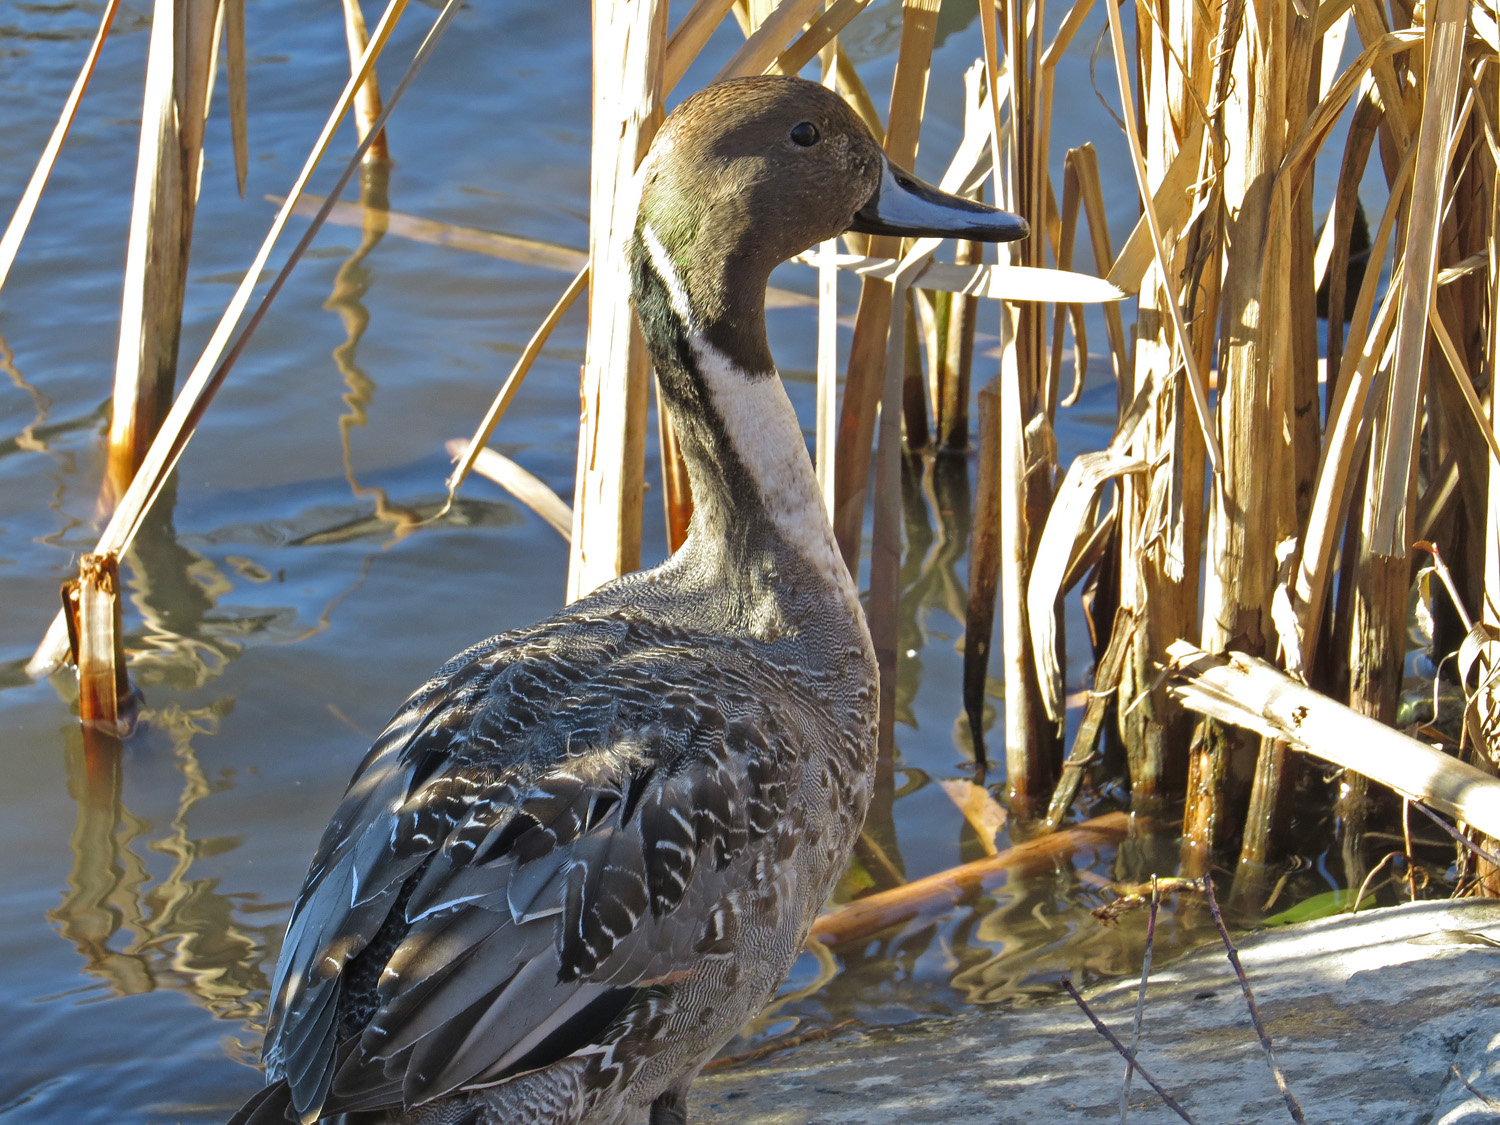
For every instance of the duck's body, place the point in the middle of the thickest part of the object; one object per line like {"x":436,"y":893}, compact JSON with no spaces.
{"x":586,"y":852}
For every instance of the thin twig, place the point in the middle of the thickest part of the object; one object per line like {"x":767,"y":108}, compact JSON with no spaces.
{"x":1260,"y":1028}
{"x":1140,"y":1000}
{"x":1126,"y":1053}
{"x":1490,"y":857}
{"x":1363,"y":887}
{"x":1411,"y":863}
{"x":1485,"y":1098}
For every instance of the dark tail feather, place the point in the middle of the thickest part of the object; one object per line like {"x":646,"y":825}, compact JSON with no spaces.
{"x":271,"y":1106}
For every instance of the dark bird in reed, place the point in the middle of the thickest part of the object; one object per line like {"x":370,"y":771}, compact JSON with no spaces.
{"x":585,"y":852}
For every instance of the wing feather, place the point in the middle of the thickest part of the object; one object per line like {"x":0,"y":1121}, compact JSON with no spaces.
{"x":534,"y":876}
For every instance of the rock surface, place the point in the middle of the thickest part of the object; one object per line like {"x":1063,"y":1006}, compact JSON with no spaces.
{"x":1391,"y":1017}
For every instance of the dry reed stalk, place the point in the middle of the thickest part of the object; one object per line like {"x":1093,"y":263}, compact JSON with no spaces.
{"x":696,"y":28}
{"x":92,"y":603}
{"x":885,"y":535}
{"x":178,"y":70}
{"x":984,"y":814}
{"x":1489,"y":297}
{"x":953,"y":318}
{"x":984,"y":567}
{"x":1259,"y":392}
{"x":999,"y":282}
{"x":1027,"y":451}
{"x":1377,"y":632}
{"x":1392,"y":470}
{"x":501,"y":402}
{"x":818,"y":35}
{"x":1382,"y":567}
{"x":867,"y":350}
{"x":367,"y":100}
{"x":1161,"y":509}
{"x":1082,"y":165}
{"x":629,"y":59}
{"x":772,"y":31}
{"x":933,"y":894}
{"x":1346,"y":435}
{"x":218,"y":356}
{"x":1241,"y":689}
{"x":526,"y":487}
{"x":1106,"y":683}
{"x":1287,"y":337}
{"x":15,"y":230}
{"x":233,"y":14}
{"x":1068,"y":529}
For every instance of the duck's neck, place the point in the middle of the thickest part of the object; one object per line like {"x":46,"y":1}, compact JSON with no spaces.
{"x":755,"y":496}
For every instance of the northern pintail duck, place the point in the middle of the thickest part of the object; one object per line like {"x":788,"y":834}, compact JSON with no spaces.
{"x":584,"y":853}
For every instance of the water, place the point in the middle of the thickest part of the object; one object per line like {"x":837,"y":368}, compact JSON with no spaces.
{"x":276,"y":612}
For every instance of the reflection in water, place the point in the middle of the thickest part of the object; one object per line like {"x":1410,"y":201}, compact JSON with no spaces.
{"x":177,"y":933}
{"x":350,"y":285}
{"x":174,"y":590}
{"x":932,"y":485}
{"x":28,"y":439}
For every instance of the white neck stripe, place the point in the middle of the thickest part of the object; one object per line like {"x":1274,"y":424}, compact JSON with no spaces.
{"x":661,"y":262}
{"x":762,"y":428}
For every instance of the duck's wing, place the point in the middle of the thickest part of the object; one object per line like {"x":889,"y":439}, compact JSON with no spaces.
{"x":493,"y":895}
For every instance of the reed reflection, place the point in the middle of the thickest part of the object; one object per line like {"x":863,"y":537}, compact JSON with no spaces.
{"x":350,"y":285}
{"x":137,"y":934}
{"x":27,"y":440}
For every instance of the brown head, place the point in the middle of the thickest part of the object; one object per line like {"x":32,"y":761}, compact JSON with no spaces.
{"x":747,"y":173}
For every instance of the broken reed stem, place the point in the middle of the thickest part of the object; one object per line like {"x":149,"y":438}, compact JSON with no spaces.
{"x":1126,"y":1053}
{"x":1140,"y":999}
{"x":96,"y":631}
{"x":1260,"y":1028}
{"x":1252,"y":694}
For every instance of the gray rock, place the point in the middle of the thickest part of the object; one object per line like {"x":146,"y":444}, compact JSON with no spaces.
{"x":1391,"y":1017}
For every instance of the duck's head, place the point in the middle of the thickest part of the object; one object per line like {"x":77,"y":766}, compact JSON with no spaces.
{"x":747,"y":173}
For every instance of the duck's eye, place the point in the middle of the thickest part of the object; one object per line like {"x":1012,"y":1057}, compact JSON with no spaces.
{"x":805,"y":134}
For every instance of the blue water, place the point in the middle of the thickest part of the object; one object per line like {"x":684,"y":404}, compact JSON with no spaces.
{"x":277,"y":614}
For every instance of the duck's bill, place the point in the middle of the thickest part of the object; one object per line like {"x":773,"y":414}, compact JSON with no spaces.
{"x":912,"y":208}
